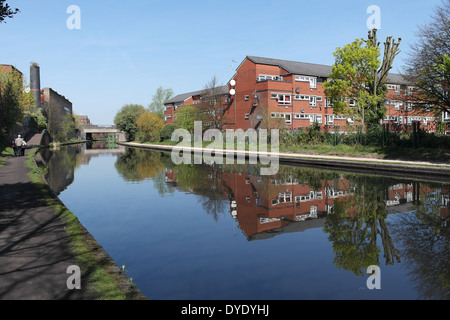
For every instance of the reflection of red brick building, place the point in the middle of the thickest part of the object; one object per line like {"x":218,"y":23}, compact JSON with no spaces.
{"x":265,"y":206}
{"x":292,"y":92}
{"x":263,"y":203}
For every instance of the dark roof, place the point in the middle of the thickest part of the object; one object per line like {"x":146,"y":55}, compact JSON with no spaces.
{"x":295,"y":67}
{"x":183,"y":96}
{"x":312,"y":69}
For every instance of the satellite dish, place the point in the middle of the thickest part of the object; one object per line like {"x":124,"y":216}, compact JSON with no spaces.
{"x":232,"y":92}
{"x":233,"y":83}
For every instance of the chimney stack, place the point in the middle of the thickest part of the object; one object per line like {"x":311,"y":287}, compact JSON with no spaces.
{"x":35,"y":84}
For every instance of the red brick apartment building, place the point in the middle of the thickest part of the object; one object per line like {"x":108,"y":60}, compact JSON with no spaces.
{"x":293,"y":91}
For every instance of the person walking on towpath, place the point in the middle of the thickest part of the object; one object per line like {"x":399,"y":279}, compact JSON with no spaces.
{"x":19,"y":144}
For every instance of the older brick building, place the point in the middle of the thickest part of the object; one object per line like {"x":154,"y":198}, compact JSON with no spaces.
{"x":264,"y":89}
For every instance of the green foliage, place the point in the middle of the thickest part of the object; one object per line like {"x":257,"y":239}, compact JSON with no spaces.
{"x":15,"y":102}
{"x":160,"y":97}
{"x":186,"y":116}
{"x":149,"y":125}
{"x":353,"y":69}
{"x":167,"y":130}
{"x":125,"y":120}
{"x":40,"y":119}
{"x":6,"y":11}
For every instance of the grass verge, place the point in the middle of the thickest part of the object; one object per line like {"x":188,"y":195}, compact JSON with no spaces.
{"x":103,"y":279}
{"x":5,"y":154}
{"x":355,"y":151}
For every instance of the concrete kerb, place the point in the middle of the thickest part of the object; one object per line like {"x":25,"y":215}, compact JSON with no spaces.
{"x":399,"y":168}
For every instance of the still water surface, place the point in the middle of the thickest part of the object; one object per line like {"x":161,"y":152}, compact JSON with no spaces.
{"x":225,"y":232}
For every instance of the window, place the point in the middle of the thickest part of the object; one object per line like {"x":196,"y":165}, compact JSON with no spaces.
{"x":302,"y":116}
{"x":247,"y":116}
{"x":264,"y":77}
{"x":446,"y":116}
{"x":288,"y":120}
{"x":395,"y":87}
{"x":312,"y":81}
{"x":301,"y":97}
{"x":352,"y":102}
{"x":247,"y":98}
{"x":329,"y":119}
{"x":397,"y":105}
{"x":313,"y":101}
{"x":409,"y":106}
{"x":283,"y":99}
{"x":409,"y":90}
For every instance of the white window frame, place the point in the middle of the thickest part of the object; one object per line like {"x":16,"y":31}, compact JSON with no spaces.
{"x":281,"y":98}
{"x":264,"y":77}
{"x":409,"y":106}
{"x":301,"y":97}
{"x":352,"y":102}
{"x":446,"y":116}
{"x":397,"y":105}
{"x":329,"y":119}
{"x":312,"y":80}
{"x":395,"y":87}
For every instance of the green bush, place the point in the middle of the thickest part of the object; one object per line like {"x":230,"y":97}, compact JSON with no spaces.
{"x":167,"y":130}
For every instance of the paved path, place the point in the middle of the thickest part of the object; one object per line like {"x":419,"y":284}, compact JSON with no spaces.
{"x":34,"y":251}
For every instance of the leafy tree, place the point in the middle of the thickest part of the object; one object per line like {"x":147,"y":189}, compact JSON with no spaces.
{"x":125,"y":120}
{"x":160,"y":97}
{"x":15,"y":102}
{"x":149,"y":125}
{"x":6,"y":11}
{"x":428,"y":63}
{"x":353,"y":68}
{"x":186,"y":116}
{"x":40,"y":119}
{"x":360,"y":75}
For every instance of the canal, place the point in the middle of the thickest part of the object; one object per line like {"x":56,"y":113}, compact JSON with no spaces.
{"x":220,"y":232}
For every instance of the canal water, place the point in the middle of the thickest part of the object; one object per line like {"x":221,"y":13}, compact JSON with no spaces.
{"x":220,"y":232}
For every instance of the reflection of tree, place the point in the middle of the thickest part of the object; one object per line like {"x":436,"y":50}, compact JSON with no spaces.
{"x":213,"y":200}
{"x":137,"y":165}
{"x":205,"y":181}
{"x":60,"y":165}
{"x":161,"y":185}
{"x":355,"y":224}
{"x":425,"y":239}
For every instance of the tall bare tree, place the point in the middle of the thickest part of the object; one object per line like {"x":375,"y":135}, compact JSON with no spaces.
{"x":428,"y":63}
{"x":212,"y":104}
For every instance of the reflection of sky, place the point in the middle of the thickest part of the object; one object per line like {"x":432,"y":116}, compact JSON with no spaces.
{"x":174,"y":250}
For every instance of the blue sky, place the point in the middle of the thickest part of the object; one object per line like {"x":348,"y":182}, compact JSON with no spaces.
{"x":125,"y":50}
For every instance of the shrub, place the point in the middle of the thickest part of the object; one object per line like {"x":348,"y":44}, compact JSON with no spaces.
{"x":149,"y":125}
{"x":167,"y":130}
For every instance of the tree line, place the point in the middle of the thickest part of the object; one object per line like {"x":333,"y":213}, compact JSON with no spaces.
{"x":148,"y":125}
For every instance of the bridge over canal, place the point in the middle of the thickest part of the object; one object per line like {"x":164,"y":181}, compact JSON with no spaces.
{"x":91,"y":131}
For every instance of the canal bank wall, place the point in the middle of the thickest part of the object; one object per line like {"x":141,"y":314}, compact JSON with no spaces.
{"x":420,"y":170}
